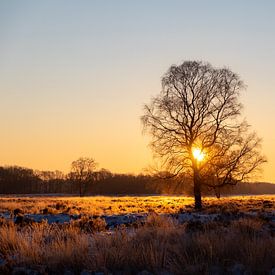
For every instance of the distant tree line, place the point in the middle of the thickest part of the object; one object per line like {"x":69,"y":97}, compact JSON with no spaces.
{"x":19,"y":180}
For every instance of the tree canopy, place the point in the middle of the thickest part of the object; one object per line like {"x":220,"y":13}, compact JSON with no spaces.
{"x":83,"y":171}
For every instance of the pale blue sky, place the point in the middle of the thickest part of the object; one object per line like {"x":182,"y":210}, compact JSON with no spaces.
{"x":74,"y":75}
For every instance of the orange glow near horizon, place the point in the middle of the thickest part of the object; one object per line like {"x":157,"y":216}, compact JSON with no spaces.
{"x":75,"y":86}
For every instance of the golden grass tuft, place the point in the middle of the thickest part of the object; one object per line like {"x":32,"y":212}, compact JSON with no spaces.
{"x":159,"y":245}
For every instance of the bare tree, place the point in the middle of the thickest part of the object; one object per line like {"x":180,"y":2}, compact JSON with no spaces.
{"x":196,"y":127}
{"x":82,"y":172}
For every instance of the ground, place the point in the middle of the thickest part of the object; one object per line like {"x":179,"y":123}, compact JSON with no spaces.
{"x":110,"y":205}
{"x":136,"y":234}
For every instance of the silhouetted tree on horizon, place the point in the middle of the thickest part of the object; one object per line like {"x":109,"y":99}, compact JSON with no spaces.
{"x":196,"y":127}
{"x":82,"y":172}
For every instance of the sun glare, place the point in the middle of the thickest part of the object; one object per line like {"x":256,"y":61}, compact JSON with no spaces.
{"x":198,"y":154}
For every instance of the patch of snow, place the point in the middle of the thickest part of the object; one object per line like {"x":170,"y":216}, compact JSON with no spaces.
{"x":50,"y":218}
{"x":116,"y":220}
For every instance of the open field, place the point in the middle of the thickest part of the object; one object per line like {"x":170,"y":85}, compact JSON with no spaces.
{"x":137,"y":235}
{"x":104,"y":205}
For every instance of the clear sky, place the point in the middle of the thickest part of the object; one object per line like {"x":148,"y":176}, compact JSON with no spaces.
{"x":74,"y":75}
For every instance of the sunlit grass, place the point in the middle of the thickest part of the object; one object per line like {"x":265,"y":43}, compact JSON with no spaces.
{"x":103,"y":205}
{"x":159,"y":245}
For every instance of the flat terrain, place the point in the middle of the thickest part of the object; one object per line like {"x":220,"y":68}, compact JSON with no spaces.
{"x":103,"y":205}
{"x":136,"y":235}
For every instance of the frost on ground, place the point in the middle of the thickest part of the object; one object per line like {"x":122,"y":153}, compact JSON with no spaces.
{"x":128,"y":210}
{"x":132,"y":235}
{"x":113,"y":221}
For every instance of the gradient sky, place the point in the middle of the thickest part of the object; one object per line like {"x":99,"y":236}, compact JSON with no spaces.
{"x":74,"y":75}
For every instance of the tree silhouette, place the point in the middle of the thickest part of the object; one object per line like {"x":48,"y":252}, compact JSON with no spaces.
{"x":196,"y":127}
{"x":82,"y":172}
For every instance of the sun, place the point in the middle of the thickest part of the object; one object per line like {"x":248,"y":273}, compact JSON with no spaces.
{"x":198,"y":154}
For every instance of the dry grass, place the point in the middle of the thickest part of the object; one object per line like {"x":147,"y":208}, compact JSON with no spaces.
{"x":101,"y":205}
{"x":157,"y":246}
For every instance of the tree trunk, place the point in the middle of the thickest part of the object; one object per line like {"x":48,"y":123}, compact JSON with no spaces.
{"x":80,"y":188}
{"x":197,"y":190}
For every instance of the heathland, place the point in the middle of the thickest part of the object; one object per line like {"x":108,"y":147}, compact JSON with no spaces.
{"x":136,"y":235}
